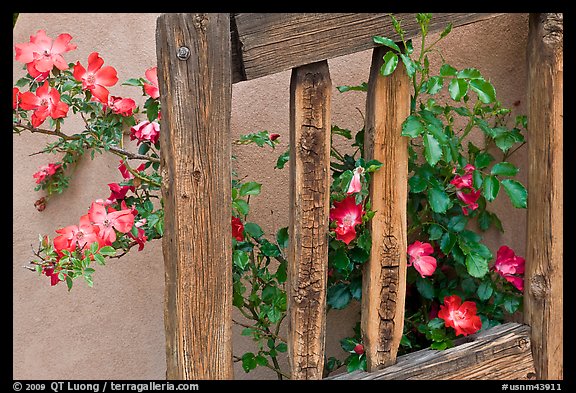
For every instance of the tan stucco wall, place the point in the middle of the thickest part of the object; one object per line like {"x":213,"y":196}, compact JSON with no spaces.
{"x":115,"y":330}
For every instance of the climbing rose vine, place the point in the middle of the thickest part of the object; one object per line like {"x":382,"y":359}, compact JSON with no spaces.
{"x":455,"y":285}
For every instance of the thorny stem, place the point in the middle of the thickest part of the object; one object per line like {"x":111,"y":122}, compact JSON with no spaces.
{"x":278,"y":371}
{"x":114,"y":149}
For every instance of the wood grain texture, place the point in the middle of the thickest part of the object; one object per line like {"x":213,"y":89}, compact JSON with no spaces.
{"x":543,"y":298}
{"x":500,"y":353}
{"x":310,"y":91}
{"x":275,"y":42}
{"x":384,"y":275}
{"x":195,"y":157}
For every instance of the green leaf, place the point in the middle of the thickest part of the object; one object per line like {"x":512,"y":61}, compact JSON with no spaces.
{"x":282,"y":347}
{"x":504,"y":169}
{"x":434,"y":85}
{"x":282,"y":160}
{"x":457,"y":88}
{"x":281,"y":273}
{"x":425,"y":287}
{"x":338,"y":296}
{"x":485,"y":290}
{"x":253,"y":230}
{"x":241,"y":206}
{"x":435,"y":232}
{"x":108,"y":251}
{"x":439,"y":345}
{"x":516,"y":192}
{"x":362,"y":87}
{"x":468,"y":286}
{"x":435,"y":323}
{"x":356,"y":287}
{"x":387,"y":42}
{"x":409,"y":64}
{"x":470,"y":73}
{"x":432,"y":149}
{"x":439,"y":200}
{"x":446,"y":30}
{"x":372,"y":166}
{"x":249,"y":362}
{"x":412,"y":127}
{"x":269,"y":293}
{"x":250,"y":188}
{"x":483,"y":160}
{"x":511,"y":303}
{"x":347,"y":344}
{"x":417,"y":184}
{"x":476,"y":265}
{"x":358,"y":255}
{"x":447,"y":242}
{"x":240,"y":259}
{"x":247,"y":332}
{"x":342,"y":132}
{"x":390,"y":63}
{"x":484,"y":89}
{"x":457,"y":223}
{"x":269,"y":249}
{"x":22,"y":81}
{"x":133,"y":82}
{"x":355,"y":362}
{"x":447,"y":70}
{"x":340,"y":259}
{"x":477,"y":179}
{"x":490,"y":187}
{"x":99,"y":259}
{"x":282,"y":237}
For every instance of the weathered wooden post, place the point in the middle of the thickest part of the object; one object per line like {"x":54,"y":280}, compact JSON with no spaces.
{"x":544,"y":258}
{"x":384,"y":276}
{"x":310,"y":91}
{"x":194,"y":75}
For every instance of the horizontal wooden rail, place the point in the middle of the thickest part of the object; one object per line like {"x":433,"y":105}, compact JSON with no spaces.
{"x":264,"y":44}
{"x":502,"y":352}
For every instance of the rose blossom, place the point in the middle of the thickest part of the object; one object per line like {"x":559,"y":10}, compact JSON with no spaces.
{"x":460,"y":316}
{"x":237,"y":229}
{"x":420,"y":257}
{"x":145,"y":131}
{"x":469,"y":196}
{"x":510,"y":266}
{"x":111,"y":220}
{"x":464,"y":181}
{"x":79,"y":235}
{"x":42,"y":54}
{"x":96,"y":77}
{"x":46,"y":102}
{"x":45,"y":171}
{"x":152,"y":88}
{"x":347,"y":215}
{"x":355,"y":183}
{"x":121,"y":106}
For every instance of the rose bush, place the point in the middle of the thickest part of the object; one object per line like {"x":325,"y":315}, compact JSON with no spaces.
{"x":451,"y":288}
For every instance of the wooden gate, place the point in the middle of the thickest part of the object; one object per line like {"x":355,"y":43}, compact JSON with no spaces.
{"x":200,"y":56}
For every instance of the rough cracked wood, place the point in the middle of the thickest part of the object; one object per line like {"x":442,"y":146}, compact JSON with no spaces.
{"x":544,"y":258}
{"x":195,"y":160}
{"x":500,"y":353}
{"x":310,"y":90}
{"x":384,"y":276}
{"x":270,"y":43}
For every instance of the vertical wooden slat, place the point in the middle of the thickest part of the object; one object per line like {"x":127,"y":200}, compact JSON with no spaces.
{"x":310,"y":90}
{"x":544,"y":258}
{"x":193,"y":52}
{"x":384,"y":275}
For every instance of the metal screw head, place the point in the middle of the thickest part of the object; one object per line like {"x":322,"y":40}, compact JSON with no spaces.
{"x":183,"y":53}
